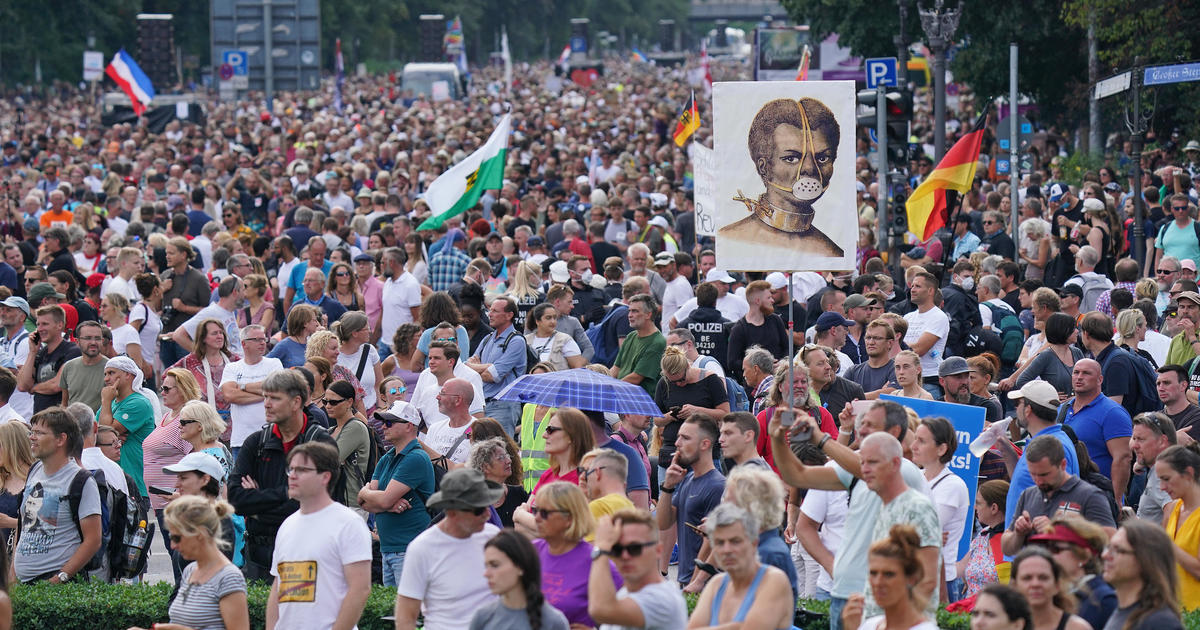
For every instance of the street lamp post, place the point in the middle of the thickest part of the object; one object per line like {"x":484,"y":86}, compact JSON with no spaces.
{"x":901,"y":42}
{"x":939,"y":25}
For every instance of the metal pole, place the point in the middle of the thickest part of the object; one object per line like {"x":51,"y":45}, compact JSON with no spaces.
{"x":939,"y":97}
{"x":901,"y":42}
{"x":1095,"y":137}
{"x":881,"y":146}
{"x":1014,"y":140}
{"x":791,"y":361}
{"x":268,"y":60}
{"x":1137,"y":129}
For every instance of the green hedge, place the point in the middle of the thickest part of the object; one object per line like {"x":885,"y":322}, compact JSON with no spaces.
{"x":104,"y":606}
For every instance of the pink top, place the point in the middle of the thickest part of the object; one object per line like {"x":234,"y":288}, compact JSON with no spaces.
{"x":550,"y":476}
{"x":163,"y":447}
{"x":372,"y":291}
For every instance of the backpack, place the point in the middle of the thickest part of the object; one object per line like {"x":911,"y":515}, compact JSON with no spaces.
{"x":125,"y":543}
{"x":1012,"y":335}
{"x":1093,"y":287}
{"x":531,"y":359}
{"x":604,"y":348}
{"x":738,"y":399}
{"x":1145,"y":376}
{"x":350,"y":466}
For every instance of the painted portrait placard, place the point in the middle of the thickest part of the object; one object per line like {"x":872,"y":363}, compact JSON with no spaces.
{"x":785,"y":194}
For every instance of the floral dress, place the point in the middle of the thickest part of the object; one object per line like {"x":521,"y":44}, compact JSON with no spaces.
{"x":985,"y":561}
{"x":196,"y":366}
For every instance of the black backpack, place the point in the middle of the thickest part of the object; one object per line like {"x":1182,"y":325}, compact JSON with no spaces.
{"x":126,"y":526}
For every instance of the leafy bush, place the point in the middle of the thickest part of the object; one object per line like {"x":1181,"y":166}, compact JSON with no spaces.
{"x":97,"y":605}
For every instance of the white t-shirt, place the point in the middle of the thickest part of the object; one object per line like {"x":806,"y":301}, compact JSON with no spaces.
{"x":151,"y":327}
{"x":445,"y":573}
{"x":932,"y":321}
{"x":233,"y":333}
{"x":94,"y":459}
{"x":709,"y":364}
{"x":311,"y":569}
{"x":441,"y":436}
{"x":732,"y":307}
{"x":350,"y":362}
{"x":117,"y":284}
{"x":879,"y":622}
{"x":247,"y":418}
{"x":663,"y":607}
{"x":203,"y":246}
{"x":951,"y":499}
{"x":678,"y":292}
{"x":828,"y":509}
{"x":399,"y":296}
{"x":340,"y":200}
{"x":123,"y":336}
{"x":21,"y":402}
{"x":8,"y":414}
{"x":425,"y":392}
{"x":285,"y":273}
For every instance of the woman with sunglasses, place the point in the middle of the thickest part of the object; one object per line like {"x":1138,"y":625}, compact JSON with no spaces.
{"x":562,"y":521}
{"x":343,"y":287}
{"x":353,"y":442}
{"x":165,"y":445}
{"x":213,"y":591}
{"x":1076,"y":544}
{"x":682,"y":391}
{"x":514,"y":573}
{"x":231,"y":217}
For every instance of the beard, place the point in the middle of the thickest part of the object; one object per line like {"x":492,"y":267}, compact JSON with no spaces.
{"x":766,"y":309}
{"x":686,"y":461}
{"x":963,"y":396}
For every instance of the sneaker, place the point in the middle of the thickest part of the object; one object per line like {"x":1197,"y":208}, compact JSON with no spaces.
{"x":674,"y":555}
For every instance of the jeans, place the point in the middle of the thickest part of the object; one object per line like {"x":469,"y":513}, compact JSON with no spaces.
{"x":836,"y":604}
{"x":506,"y":412}
{"x":393,"y":566}
{"x":822,"y":595}
{"x":954,"y":589}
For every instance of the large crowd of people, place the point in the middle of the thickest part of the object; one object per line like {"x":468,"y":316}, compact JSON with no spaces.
{"x":240,"y":332}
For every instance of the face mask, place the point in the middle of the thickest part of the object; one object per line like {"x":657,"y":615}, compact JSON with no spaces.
{"x":585,"y":277}
{"x":968,"y":283}
{"x":806,"y":188}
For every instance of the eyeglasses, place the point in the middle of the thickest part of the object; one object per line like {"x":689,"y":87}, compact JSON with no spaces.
{"x":588,"y":472}
{"x":342,"y":274}
{"x":1180,"y":208}
{"x":397,"y":390}
{"x":544,"y":513}
{"x":175,"y":538}
{"x":634,"y":549}
{"x":330,"y":401}
{"x":254,"y":339}
{"x":551,"y":430}
{"x":294,"y":471}
{"x":390,"y":423}
{"x":1166,"y":272}
{"x":166,"y":388}
{"x":108,"y":444}
{"x":989,"y":222}
{"x":184,"y":423}
{"x":678,"y":344}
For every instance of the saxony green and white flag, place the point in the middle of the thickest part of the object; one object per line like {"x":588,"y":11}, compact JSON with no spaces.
{"x":459,"y":189}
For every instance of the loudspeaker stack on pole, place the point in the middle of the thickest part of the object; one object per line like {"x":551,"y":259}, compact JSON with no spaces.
{"x":156,"y":49}
{"x":433,"y":30}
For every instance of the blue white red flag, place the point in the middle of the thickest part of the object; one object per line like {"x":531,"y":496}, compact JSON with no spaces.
{"x":124,"y":71}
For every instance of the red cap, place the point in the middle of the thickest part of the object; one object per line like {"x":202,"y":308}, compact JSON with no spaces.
{"x":1062,"y":533}
{"x":95,"y":280}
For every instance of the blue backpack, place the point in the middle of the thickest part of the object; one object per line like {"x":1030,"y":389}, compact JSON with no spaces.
{"x":738,"y":399}
{"x":603,"y":336}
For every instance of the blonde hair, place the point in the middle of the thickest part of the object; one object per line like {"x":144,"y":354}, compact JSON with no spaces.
{"x":909,"y":355}
{"x":1145,"y":289}
{"x":1127,"y":322}
{"x":190,"y":515}
{"x":211,"y":424}
{"x":759,"y":492}
{"x":15,"y":454}
{"x":566,"y":496}
{"x":185,"y":381}
{"x":316,"y":343}
{"x":673,"y":361}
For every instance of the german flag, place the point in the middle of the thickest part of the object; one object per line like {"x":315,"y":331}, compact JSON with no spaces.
{"x":930,"y":202}
{"x":689,"y":122}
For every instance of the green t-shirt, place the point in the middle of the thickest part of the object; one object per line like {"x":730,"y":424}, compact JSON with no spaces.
{"x":136,"y":414}
{"x":642,"y":355}
{"x":83,"y":383}
{"x":413,"y":469}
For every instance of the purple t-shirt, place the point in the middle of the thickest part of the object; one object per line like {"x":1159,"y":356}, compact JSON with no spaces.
{"x":565,"y":580}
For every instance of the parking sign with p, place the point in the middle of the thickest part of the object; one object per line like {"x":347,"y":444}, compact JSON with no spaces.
{"x":881,"y":71}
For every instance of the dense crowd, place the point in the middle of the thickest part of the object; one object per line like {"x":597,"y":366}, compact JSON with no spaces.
{"x":162,"y":295}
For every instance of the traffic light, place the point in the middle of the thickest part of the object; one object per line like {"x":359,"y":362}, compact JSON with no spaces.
{"x":899,"y":115}
{"x":897,"y":186}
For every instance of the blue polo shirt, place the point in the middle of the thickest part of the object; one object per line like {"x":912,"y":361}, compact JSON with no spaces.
{"x":1097,"y":423}
{"x":413,"y":469}
{"x":636,"y":477}
{"x":1021,"y":479}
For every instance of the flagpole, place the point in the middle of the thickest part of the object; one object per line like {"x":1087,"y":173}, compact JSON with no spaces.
{"x":952,"y":217}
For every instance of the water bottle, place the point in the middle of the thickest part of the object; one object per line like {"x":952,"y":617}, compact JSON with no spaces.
{"x":989,"y":437}
{"x":133,"y":553}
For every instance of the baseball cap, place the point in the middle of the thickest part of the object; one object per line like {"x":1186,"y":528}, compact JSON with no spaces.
{"x":95,"y":280}
{"x":660,"y":222}
{"x":535,"y":241}
{"x":1189,"y":264}
{"x":43,"y":290}
{"x":400,"y":411}
{"x":1038,"y":392}
{"x":1063,"y":533}
{"x":718,"y":275}
{"x":13,"y":301}
{"x":1057,"y":190}
{"x":30,"y":225}
{"x":198,"y":462}
{"x":494,"y":235}
{"x":829,"y":319}
{"x":1071,"y":289}
{"x":559,"y":272}
{"x":777,"y":280}
{"x":1190,"y":296}
{"x":952,"y":366}
{"x":857,"y":300}
{"x":364,"y":258}
{"x":664,"y":258}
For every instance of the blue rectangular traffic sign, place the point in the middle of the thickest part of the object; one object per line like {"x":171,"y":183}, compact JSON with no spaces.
{"x":1178,"y":73}
{"x":881,"y":71}
{"x":239,"y":60}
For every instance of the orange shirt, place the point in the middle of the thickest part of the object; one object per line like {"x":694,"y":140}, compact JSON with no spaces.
{"x":62,"y":218}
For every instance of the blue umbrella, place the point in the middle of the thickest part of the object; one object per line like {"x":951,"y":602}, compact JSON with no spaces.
{"x":583,"y":389}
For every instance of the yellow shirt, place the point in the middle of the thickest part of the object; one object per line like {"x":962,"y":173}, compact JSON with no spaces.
{"x":605,"y":505}
{"x":1187,"y":537}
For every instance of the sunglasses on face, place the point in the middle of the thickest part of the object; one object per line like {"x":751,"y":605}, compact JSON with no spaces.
{"x":1179,"y":208}
{"x":332,"y":401}
{"x":166,"y":388}
{"x":551,"y":430}
{"x":390,"y":423}
{"x":634,"y":549}
{"x":175,"y":538}
{"x":544,"y":513}
{"x":184,"y":423}
{"x":397,"y":390}
{"x":342,"y":274}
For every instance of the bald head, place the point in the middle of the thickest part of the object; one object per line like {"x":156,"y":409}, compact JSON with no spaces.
{"x":460,"y":387}
{"x":1086,"y":378}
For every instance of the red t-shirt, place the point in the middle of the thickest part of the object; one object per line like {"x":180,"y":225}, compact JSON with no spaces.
{"x":828,"y":426}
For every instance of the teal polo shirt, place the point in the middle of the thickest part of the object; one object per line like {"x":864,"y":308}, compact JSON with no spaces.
{"x":413,"y":469}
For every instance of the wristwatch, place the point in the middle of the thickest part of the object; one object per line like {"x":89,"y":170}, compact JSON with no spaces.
{"x":597,"y":552}
{"x":63,"y":576}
